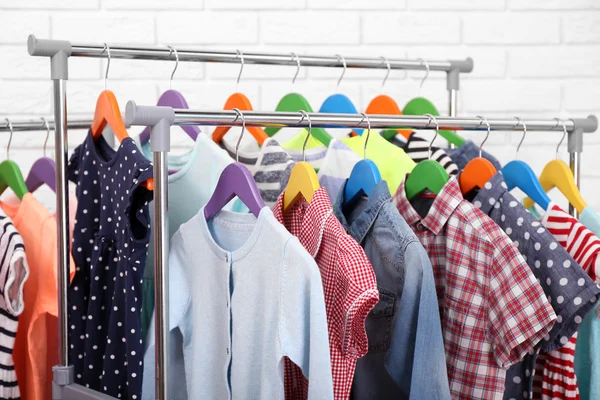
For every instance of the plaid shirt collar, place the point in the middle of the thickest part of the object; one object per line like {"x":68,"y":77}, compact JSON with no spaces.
{"x":312,"y":215}
{"x":495,"y":188}
{"x":442,"y":208}
{"x":361,"y":225}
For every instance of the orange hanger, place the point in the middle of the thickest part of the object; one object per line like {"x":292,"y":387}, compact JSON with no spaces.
{"x":241,"y":102}
{"x":384,"y":104}
{"x":108,"y":112}
{"x":477,"y":171}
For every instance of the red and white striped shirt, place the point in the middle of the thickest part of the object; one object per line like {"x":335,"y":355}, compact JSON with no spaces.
{"x":555,"y":371}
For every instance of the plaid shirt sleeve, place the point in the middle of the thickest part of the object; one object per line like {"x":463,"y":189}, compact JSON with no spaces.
{"x":360,"y":298}
{"x":518,"y":310}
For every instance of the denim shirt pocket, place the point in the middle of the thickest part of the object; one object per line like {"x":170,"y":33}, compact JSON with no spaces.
{"x":379,"y":322}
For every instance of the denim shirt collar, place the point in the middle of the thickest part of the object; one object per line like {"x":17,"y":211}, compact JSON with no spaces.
{"x":361,"y":225}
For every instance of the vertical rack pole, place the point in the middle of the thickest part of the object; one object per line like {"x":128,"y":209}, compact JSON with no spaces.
{"x":160,"y":145}
{"x":452,"y":85}
{"x":575,"y":147}
{"x":63,"y":373}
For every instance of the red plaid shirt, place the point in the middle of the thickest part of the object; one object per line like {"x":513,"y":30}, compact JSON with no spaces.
{"x":493,"y":311}
{"x":555,"y":371}
{"x":349,"y":287}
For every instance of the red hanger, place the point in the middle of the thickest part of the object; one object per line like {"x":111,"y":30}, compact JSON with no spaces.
{"x":108,"y":112}
{"x":477,"y":171}
{"x":241,"y":102}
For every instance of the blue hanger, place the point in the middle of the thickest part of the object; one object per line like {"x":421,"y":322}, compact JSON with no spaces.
{"x":518,"y":174}
{"x":340,"y":103}
{"x":364,"y":176}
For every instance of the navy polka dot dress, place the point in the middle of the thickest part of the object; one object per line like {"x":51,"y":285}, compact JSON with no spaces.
{"x":109,"y":247}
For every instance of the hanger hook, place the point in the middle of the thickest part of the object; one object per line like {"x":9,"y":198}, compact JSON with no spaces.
{"x":47,"y":126}
{"x":305,"y":114}
{"x":481,"y":120}
{"x":437,"y":131}
{"x":237,"y":145}
{"x":389,"y":68}
{"x":562,"y":122}
{"x":426,"y":73}
{"x":241,"y":56}
{"x":343,"y":60}
{"x":365,"y":116}
{"x":173,"y":50}
{"x":520,"y":122}
{"x":295,"y":57}
{"x":107,"y":48}
{"x":10,"y":127}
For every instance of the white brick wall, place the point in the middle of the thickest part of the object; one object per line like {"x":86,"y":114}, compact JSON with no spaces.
{"x":532,"y":58}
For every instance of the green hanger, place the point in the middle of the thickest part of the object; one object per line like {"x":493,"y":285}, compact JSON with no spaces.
{"x":10,"y":173}
{"x":294,"y":102}
{"x":427,"y":175}
{"x":11,"y":176}
{"x":422,"y":106}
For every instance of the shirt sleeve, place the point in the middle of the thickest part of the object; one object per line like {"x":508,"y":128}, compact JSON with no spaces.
{"x":303,"y":327}
{"x":361,"y":295}
{"x":179,"y":329}
{"x":417,"y":346}
{"x":519,"y":314}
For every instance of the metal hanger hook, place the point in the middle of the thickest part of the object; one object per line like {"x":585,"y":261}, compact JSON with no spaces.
{"x":107,"y":48}
{"x":237,"y":145}
{"x":562,"y":122}
{"x":437,"y":131}
{"x":305,"y":114}
{"x":481,"y":120}
{"x":365,"y":116}
{"x":241,"y":56}
{"x":47,"y":126}
{"x":173,"y":50}
{"x":519,"y":122}
{"x":343,"y":60}
{"x":387,"y":74}
{"x":426,"y":74}
{"x":295,"y":57}
{"x":10,"y":127}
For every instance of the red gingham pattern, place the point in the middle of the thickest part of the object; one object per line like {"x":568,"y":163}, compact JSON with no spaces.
{"x":349,"y":286}
{"x":492,"y":309}
{"x":555,"y":371}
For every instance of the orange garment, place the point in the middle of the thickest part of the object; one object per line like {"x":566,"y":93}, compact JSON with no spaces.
{"x":36,"y":350}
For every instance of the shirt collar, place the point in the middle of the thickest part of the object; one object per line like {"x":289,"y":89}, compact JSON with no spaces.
{"x":361,"y":225}
{"x":442,"y":208}
{"x":495,"y":188}
{"x":306,"y":220}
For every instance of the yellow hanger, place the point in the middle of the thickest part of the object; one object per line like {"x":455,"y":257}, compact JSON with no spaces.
{"x":303,"y":179}
{"x":558,"y":174}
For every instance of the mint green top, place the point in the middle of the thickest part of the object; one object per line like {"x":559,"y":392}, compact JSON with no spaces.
{"x":587,"y":352}
{"x":190,"y":188}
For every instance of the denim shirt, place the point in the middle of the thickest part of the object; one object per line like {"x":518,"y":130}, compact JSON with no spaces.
{"x":406,"y":358}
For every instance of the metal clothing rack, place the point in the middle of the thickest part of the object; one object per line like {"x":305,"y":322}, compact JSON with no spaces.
{"x":161,"y":118}
{"x":59,"y":52}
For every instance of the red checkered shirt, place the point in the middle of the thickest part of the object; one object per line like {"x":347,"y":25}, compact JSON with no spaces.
{"x":555,"y":371}
{"x":349,"y":287}
{"x":492,"y":308}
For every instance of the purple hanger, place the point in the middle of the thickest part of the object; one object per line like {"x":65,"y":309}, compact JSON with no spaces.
{"x":235,"y":180}
{"x":172,"y":98}
{"x":42,"y":171}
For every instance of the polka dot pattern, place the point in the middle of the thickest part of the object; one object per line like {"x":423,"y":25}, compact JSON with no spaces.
{"x":561,"y":278}
{"x":106,"y":344}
